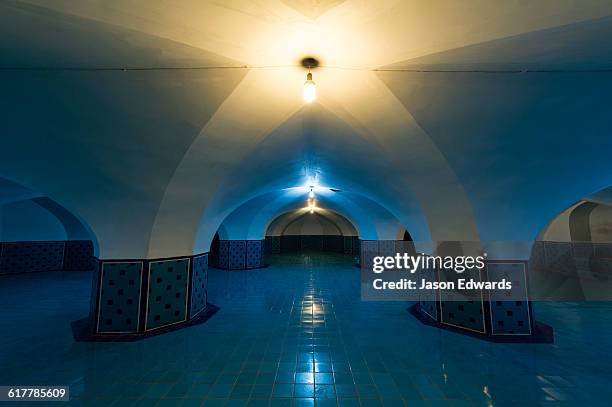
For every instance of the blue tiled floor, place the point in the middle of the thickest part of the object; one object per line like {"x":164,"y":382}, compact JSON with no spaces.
{"x":297,"y":334}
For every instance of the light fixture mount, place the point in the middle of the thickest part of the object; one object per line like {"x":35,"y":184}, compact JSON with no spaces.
{"x":310,"y":62}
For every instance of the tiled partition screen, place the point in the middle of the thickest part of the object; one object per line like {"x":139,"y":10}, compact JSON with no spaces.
{"x":132,"y":297}
{"x":26,"y":257}
{"x":305,"y":243}
{"x":489,"y":316}
{"x":241,"y":254}
{"x":573,"y":258}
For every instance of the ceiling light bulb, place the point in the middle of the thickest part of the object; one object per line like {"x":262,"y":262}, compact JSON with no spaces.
{"x":311,"y":194}
{"x":310,"y":89}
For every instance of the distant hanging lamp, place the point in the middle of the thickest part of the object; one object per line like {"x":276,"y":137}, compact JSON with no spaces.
{"x":311,"y":205}
{"x":310,"y":89}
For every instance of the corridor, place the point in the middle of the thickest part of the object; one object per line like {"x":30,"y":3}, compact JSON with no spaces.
{"x":296,"y":333}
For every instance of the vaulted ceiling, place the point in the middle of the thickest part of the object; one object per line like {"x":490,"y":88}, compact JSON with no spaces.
{"x":156,"y":122}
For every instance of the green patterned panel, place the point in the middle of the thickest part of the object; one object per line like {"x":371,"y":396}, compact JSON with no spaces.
{"x":167,"y":293}
{"x":119,"y":297}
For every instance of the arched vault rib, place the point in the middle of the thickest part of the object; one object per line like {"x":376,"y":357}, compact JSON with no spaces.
{"x":363,"y":101}
{"x":252,"y":218}
{"x":235,"y":129}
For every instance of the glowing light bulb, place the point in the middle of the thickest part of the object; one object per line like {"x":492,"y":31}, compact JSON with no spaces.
{"x":310,"y":89}
{"x":311,"y":194}
{"x":311,"y":210}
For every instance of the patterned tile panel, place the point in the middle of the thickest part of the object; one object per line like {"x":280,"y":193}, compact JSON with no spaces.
{"x":79,"y":255}
{"x":537,"y":261}
{"x":290,"y":244}
{"x":254,"y":251}
{"x":25,"y":257}
{"x":237,"y":254}
{"x":119,"y":297}
{"x":463,"y":314}
{"x":224,"y":254}
{"x":275,"y":244}
{"x":167,"y":293}
{"x":559,"y":258}
{"x":509,"y":317}
{"x":603,"y":250}
{"x":268,"y":245}
{"x":583,"y":249}
{"x":199,"y":284}
{"x":347,"y":243}
{"x":307,"y":243}
{"x":401,"y":247}
{"x":428,"y":298}
{"x":369,"y":249}
{"x":356,"y":245}
{"x":386,"y":248}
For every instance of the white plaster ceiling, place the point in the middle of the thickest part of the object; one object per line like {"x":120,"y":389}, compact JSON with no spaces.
{"x":155,"y":120}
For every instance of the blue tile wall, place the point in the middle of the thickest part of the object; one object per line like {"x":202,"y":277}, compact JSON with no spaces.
{"x":254,"y":253}
{"x":509,"y":317}
{"x":537,"y":260}
{"x":428,"y":298}
{"x":268,"y":245}
{"x":119,"y":297}
{"x":24,"y":257}
{"x":559,"y":257}
{"x":199,"y":284}
{"x":400,"y":246}
{"x":328,"y":243}
{"x":307,"y":243}
{"x":347,"y":243}
{"x":167,"y":292}
{"x":275,"y":244}
{"x":94,"y":297}
{"x":79,"y":255}
{"x":356,"y":245}
{"x":237,"y":254}
{"x":290,"y":244}
{"x":333,"y":244}
{"x":386,"y":248}
{"x":602,"y":250}
{"x":242,"y":254}
{"x":463,"y":314}
{"x":369,"y":249}
{"x":224,"y":254}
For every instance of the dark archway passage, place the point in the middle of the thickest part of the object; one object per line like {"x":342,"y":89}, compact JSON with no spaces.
{"x":311,"y":233}
{"x":213,"y":257}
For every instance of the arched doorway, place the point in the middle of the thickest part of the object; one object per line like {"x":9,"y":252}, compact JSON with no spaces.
{"x":38,"y":234}
{"x":571,"y":259}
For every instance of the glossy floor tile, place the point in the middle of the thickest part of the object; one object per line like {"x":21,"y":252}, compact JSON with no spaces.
{"x":297,"y":334}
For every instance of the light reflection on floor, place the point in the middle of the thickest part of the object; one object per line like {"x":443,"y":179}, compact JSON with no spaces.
{"x":296,"y":333}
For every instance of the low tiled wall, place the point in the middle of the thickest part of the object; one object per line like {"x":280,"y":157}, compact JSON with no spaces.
{"x":136,"y":297}
{"x":241,"y":254}
{"x":573,"y":258}
{"x":490,"y":317}
{"x":26,"y":257}
{"x":304,"y":243}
